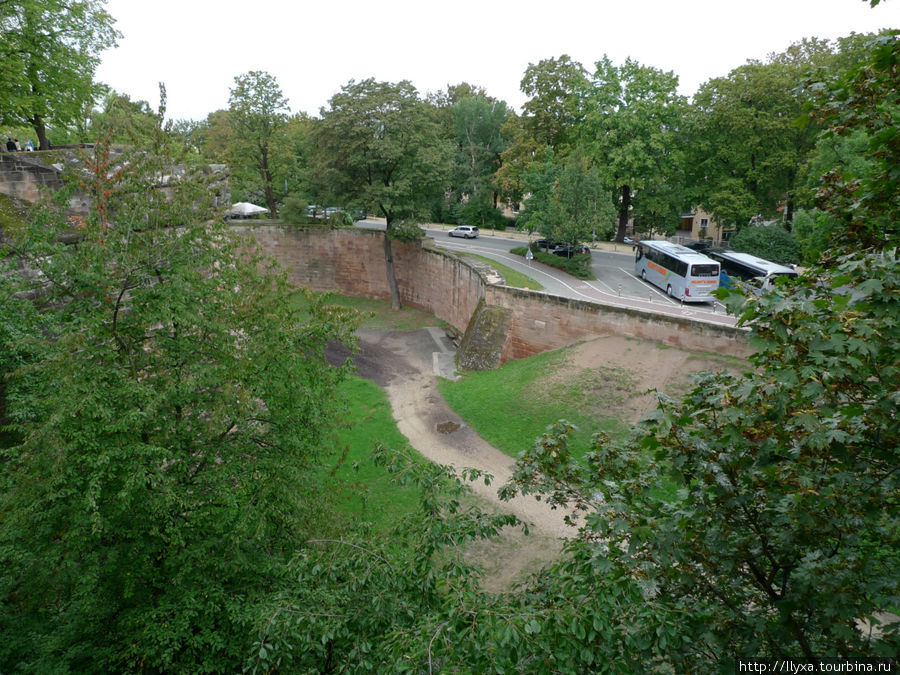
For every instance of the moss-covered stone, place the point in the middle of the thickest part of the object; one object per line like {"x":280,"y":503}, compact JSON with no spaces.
{"x":12,"y":216}
{"x":482,"y":345}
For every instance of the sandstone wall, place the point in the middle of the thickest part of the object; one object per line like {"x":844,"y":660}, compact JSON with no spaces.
{"x":433,"y":280}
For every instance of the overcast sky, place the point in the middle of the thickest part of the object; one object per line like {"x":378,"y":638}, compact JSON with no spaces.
{"x":197,"y":47}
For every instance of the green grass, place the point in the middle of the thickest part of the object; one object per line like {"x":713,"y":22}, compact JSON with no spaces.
{"x":512,"y":406}
{"x":513,"y":277}
{"x":380,"y":316}
{"x":361,"y":490}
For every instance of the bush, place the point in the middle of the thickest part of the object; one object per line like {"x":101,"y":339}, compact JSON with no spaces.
{"x":578,"y":266}
{"x":294,"y":210}
{"x":772,"y":243}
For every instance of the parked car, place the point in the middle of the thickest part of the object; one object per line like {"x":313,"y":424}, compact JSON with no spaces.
{"x":467,"y":231}
{"x":358,"y":214}
{"x":548,"y":245}
{"x":568,"y":250}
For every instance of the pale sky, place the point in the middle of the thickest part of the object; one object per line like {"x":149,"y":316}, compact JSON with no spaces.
{"x":198,"y":47}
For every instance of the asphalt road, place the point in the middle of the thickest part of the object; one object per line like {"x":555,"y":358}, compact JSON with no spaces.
{"x":615,"y":282}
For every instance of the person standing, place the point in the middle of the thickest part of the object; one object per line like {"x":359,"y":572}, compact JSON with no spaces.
{"x":29,"y":146}
{"x":10,"y":144}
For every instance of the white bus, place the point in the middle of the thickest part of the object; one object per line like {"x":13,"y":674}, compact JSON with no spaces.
{"x":744,"y":267}
{"x":680,"y":271}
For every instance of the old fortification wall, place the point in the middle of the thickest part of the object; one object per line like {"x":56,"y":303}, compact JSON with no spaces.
{"x":499,"y":323}
{"x":25,"y":175}
{"x":436,"y":281}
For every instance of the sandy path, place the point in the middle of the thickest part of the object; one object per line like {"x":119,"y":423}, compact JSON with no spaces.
{"x":403,"y":363}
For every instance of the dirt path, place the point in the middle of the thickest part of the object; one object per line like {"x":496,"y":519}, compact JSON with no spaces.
{"x":403,"y":363}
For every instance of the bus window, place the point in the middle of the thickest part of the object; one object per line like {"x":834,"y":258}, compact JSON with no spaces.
{"x":704,"y":270}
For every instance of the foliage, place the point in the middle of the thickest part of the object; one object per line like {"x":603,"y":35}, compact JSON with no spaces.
{"x":770,"y":242}
{"x":294,"y":210}
{"x":160,"y":479}
{"x":567,"y":199}
{"x":258,"y":116}
{"x":49,"y":51}
{"x":578,"y":266}
{"x":813,"y":229}
{"x":864,"y":103}
{"x":554,"y":111}
{"x":478,"y":132}
{"x":631,"y":124}
{"x":782,"y":539}
{"x":784,"y":532}
{"x":380,"y":147}
{"x":746,"y":143}
{"x":373,"y":606}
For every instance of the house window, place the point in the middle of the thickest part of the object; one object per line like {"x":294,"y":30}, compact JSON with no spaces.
{"x":704,"y":222}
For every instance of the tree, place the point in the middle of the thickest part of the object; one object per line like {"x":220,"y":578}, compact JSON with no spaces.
{"x":747,"y":151}
{"x":555,"y":110}
{"x":861,"y":106}
{"x":158,"y":482}
{"x":258,"y":112}
{"x":582,"y":202}
{"x":478,"y":123}
{"x":758,"y":516}
{"x":633,"y":114}
{"x":770,"y":242}
{"x":379,"y":146}
{"x":49,"y":52}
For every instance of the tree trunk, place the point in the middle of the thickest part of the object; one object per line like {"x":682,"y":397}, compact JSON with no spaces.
{"x":623,"y":213}
{"x":41,"y":130}
{"x":389,"y":267}
{"x":267,"y":182}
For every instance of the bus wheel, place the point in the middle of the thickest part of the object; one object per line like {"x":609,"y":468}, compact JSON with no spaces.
{"x":669,"y":291}
{"x":643,"y":275}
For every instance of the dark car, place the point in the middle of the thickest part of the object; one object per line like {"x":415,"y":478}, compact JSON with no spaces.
{"x":568,"y":250}
{"x":548,"y":245}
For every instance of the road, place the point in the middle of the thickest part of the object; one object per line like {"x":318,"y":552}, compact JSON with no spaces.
{"x":615,"y":283}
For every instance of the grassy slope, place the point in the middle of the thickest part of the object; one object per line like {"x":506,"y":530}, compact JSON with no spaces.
{"x":513,"y":406}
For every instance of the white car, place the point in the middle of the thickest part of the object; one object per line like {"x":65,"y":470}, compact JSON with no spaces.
{"x":467,"y":231}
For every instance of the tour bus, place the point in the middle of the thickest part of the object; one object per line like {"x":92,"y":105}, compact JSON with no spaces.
{"x":748,"y":268}
{"x":681,"y":272}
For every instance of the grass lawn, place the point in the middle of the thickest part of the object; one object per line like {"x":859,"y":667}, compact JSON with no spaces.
{"x":513,"y":277}
{"x":512,"y":406}
{"x":362,"y":490}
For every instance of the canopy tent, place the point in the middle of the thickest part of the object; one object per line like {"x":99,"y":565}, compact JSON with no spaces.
{"x":245,"y":209}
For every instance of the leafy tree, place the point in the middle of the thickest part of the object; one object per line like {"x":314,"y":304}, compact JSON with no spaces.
{"x":771,"y":242}
{"x":402,"y":604}
{"x":258,"y":115}
{"x":582,"y":202}
{"x":158,"y":485}
{"x":861,"y":107}
{"x":633,"y":113}
{"x":747,"y":151}
{"x":381,"y":147}
{"x":478,"y":123}
{"x":49,"y":52}
{"x":516,"y":160}
{"x":555,"y":109}
{"x":758,"y":516}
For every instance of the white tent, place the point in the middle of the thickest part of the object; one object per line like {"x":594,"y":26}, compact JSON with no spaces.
{"x":245,"y":209}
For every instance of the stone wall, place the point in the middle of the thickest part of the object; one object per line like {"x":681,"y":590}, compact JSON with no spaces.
{"x":24,"y":175}
{"x":436,"y":281}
